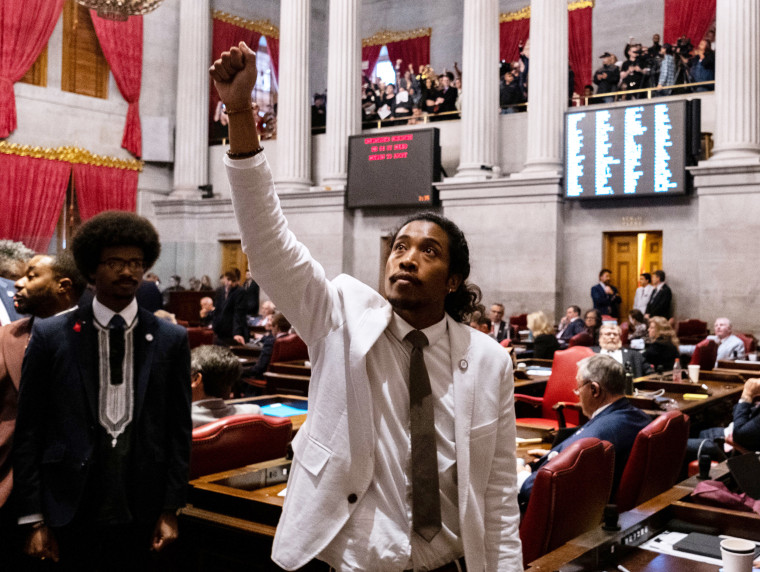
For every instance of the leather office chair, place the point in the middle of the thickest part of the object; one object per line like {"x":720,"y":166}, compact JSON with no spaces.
{"x":691,"y":331}
{"x":200,"y":337}
{"x":624,"y":331}
{"x":559,"y":388}
{"x":705,"y":355}
{"x":519,"y":322}
{"x":288,"y":348}
{"x":750,"y":342}
{"x":581,"y":339}
{"x":562,"y":503}
{"x":655,"y":460}
{"x":237,"y":441}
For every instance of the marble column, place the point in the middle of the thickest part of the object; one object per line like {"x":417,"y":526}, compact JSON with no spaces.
{"x":480,"y":97}
{"x":293,"y":171}
{"x":737,"y":83}
{"x":191,"y":134}
{"x":343,"y":96}
{"x":547,"y":90}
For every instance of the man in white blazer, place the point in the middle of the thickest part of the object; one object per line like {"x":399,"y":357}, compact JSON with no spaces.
{"x":349,"y":500}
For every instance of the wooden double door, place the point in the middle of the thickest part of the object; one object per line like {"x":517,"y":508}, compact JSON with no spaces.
{"x":628,"y":254}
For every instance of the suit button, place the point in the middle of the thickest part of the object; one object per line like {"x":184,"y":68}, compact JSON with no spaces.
{"x":352,"y":498}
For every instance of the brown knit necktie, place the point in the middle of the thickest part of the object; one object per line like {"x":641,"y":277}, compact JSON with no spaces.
{"x":426,"y":499}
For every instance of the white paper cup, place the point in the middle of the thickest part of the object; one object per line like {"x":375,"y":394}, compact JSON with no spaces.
{"x":737,"y":554}
{"x":694,"y":373}
{"x":752,"y":356}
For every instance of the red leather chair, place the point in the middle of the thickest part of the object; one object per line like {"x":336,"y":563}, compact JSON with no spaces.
{"x":568,"y":497}
{"x":750,"y":342}
{"x":655,"y":460}
{"x":581,"y":339}
{"x":200,"y":337}
{"x":288,"y":348}
{"x":519,"y":322}
{"x":624,"y":330}
{"x":559,"y":387}
{"x":237,"y":441}
{"x":691,"y":331}
{"x":705,"y":355}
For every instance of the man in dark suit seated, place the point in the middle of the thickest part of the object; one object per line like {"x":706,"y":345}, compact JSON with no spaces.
{"x":280,"y":327}
{"x":570,"y":325}
{"x":611,"y":345}
{"x":600,"y":387}
{"x":499,"y":328}
{"x":214,"y":370}
{"x":743,"y":433}
{"x":102,"y":443}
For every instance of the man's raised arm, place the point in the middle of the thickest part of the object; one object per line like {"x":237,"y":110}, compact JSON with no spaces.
{"x":234,"y":75}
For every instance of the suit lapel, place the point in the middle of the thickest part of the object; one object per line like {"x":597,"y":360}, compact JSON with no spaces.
{"x":144,"y":339}
{"x":464,"y":402}
{"x":85,"y":339}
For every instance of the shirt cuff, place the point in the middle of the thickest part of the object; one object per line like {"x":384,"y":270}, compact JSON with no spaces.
{"x":30,"y":519}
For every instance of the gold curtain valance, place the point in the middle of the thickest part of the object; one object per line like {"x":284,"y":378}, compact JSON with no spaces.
{"x":70,"y":155}
{"x":263,"y":27}
{"x":521,"y":14}
{"x":387,"y":36}
{"x":524,"y":13}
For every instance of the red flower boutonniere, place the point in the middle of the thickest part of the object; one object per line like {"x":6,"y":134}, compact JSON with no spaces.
{"x":78,"y":327}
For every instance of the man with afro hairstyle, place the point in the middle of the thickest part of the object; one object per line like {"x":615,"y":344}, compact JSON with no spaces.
{"x":102,"y":441}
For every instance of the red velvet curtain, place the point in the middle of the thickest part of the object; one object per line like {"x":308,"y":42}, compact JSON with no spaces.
{"x":580,"y":38}
{"x":273,"y":44}
{"x":226,"y":35}
{"x":103,"y":189}
{"x":122,"y":44}
{"x":691,"y":18}
{"x":33,"y":191}
{"x":415,"y":51}
{"x":511,"y":34}
{"x":25,"y":27}
{"x":370,"y":54}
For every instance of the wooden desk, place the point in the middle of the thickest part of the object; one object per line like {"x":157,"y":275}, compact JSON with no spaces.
{"x":717,"y":392}
{"x":601,"y":550}
{"x":745,"y":365}
{"x":286,"y":383}
{"x":295,"y":367}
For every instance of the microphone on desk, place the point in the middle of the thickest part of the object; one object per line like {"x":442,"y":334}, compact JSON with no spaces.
{"x":705,"y":464}
{"x":610,"y":518}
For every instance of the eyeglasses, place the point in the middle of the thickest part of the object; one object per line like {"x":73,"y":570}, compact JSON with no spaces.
{"x":577,"y":390}
{"x":118,"y":264}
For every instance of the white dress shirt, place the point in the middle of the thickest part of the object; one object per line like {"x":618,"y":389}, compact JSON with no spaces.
{"x":378,"y":536}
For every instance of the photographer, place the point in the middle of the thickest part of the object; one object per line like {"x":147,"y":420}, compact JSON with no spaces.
{"x":607,"y":77}
{"x":702,"y":66}
{"x":634,"y":71}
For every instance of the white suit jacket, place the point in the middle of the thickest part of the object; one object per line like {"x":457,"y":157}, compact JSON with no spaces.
{"x":340,"y":321}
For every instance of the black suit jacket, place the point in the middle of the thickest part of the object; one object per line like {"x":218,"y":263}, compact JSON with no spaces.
{"x":230,"y":314}
{"x":659,"y":303}
{"x":262,"y":362}
{"x":56,"y":440}
{"x":252,"y":298}
{"x":575,"y":327}
{"x":606,"y":303}
{"x":633,"y":359}
{"x":502,"y":330}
